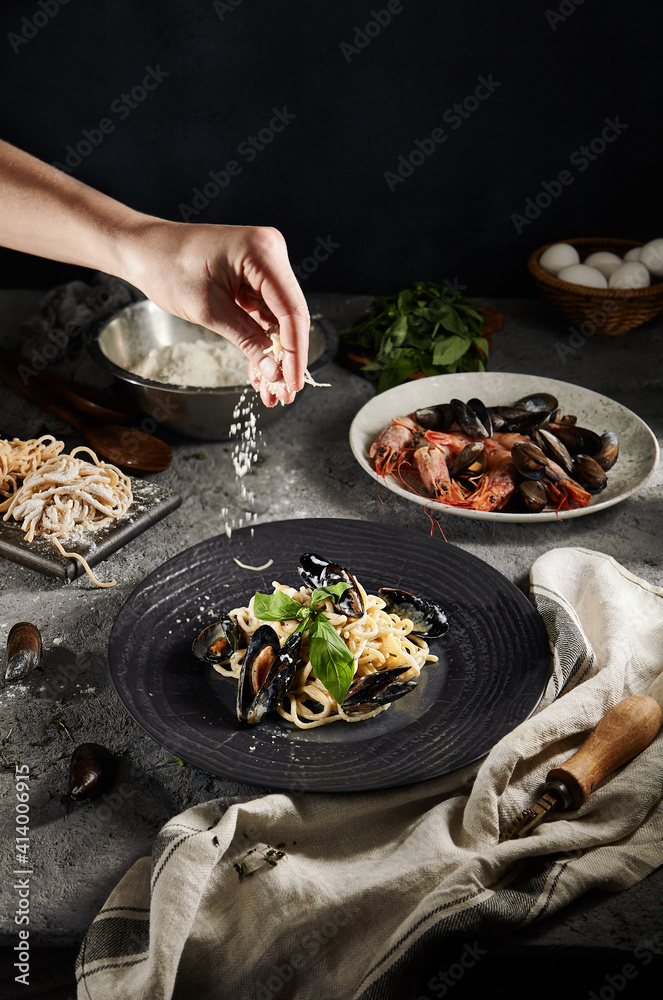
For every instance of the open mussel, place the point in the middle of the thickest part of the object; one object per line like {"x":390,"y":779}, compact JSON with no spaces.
{"x":589,"y":474}
{"x":472,"y":418}
{"x":529,"y":460}
{"x":427,"y":617}
{"x":217,"y":642}
{"x":267,"y":672}
{"x":23,"y":651}
{"x":532,"y":495}
{"x":578,"y":440}
{"x":609,"y":452}
{"x":375,"y":690}
{"x":318,"y":572}
{"x":472,"y":461}
{"x":435,"y":418}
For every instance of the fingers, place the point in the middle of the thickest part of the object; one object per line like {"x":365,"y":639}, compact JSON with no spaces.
{"x":276,"y":284}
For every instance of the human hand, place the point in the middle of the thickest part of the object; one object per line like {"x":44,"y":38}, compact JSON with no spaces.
{"x":235,"y":280}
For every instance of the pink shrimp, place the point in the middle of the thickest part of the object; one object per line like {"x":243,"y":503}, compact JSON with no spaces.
{"x":394,"y":444}
{"x":562,"y":490}
{"x":431,"y":464}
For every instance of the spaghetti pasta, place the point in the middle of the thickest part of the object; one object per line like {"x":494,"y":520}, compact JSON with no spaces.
{"x":65,"y":494}
{"x":19,"y":458}
{"x":377,"y":641}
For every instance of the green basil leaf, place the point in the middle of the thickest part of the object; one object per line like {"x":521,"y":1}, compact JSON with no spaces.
{"x":333,"y":663}
{"x":482,"y":344}
{"x":449,"y":350}
{"x":334,"y":590}
{"x":276,"y":607}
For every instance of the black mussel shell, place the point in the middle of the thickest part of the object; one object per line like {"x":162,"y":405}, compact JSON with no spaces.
{"x":609,"y":452}
{"x":217,"y":642}
{"x":529,"y":460}
{"x":565,"y":418}
{"x":92,"y":770}
{"x":318,"y":572}
{"x":373,"y":690}
{"x":515,"y":419}
{"x":554,"y":448}
{"x":532,"y":495}
{"x":470,"y":462}
{"x":578,"y":440}
{"x":427,"y":617}
{"x":538,"y":402}
{"x":263,"y":648}
{"x":23,"y":651}
{"x":435,"y":418}
{"x":480,"y":410}
{"x":589,"y":474}
{"x":469,"y":421}
{"x":279,"y":678}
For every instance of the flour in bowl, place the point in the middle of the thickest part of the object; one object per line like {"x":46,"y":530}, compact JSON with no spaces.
{"x":200,"y":363}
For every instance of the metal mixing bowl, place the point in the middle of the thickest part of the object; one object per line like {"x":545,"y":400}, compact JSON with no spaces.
{"x":205,"y":414}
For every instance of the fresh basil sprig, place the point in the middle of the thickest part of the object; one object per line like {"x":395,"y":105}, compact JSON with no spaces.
{"x":428,"y":328}
{"x":332,"y":661}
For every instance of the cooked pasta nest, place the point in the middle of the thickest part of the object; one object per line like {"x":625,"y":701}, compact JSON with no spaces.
{"x":377,"y":641}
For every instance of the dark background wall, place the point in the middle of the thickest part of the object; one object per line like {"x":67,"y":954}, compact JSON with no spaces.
{"x":562,"y":70}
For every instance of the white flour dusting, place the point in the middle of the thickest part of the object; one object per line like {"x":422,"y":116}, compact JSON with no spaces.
{"x":201,"y":364}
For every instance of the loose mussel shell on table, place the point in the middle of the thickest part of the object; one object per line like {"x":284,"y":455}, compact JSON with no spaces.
{"x":24,"y":650}
{"x":428,"y":619}
{"x":316,"y":572}
{"x":92,"y":770}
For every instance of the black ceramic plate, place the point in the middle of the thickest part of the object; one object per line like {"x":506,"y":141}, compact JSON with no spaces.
{"x":493,"y":667}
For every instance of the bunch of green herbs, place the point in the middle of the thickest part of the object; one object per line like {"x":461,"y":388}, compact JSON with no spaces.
{"x":428,"y":328}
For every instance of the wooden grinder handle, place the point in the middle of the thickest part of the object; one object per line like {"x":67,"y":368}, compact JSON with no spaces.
{"x":623,"y":732}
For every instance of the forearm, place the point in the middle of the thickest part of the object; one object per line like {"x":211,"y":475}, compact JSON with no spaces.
{"x":46,"y":212}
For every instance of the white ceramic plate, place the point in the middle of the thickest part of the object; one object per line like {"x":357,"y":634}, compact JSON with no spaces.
{"x":638,"y":448}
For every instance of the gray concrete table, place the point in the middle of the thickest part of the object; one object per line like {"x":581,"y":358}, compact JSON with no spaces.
{"x":77,"y":860}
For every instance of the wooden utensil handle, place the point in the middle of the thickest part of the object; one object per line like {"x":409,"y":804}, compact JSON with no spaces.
{"x":623,"y":732}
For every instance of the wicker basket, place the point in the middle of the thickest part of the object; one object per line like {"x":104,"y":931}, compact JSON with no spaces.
{"x":607,"y":311}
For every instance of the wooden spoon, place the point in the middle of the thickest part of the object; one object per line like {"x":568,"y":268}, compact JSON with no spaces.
{"x":92,"y":402}
{"x":124,"y":446}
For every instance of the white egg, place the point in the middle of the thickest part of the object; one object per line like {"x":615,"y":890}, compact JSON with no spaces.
{"x":651,"y":256}
{"x":633,"y":254}
{"x":630,"y":275}
{"x":580,"y":274}
{"x":603,"y":261}
{"x":557,"y":256}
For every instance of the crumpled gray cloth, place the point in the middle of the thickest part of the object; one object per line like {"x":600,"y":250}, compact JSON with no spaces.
{"x":56,"y":338}
{"x":371,"y":882}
